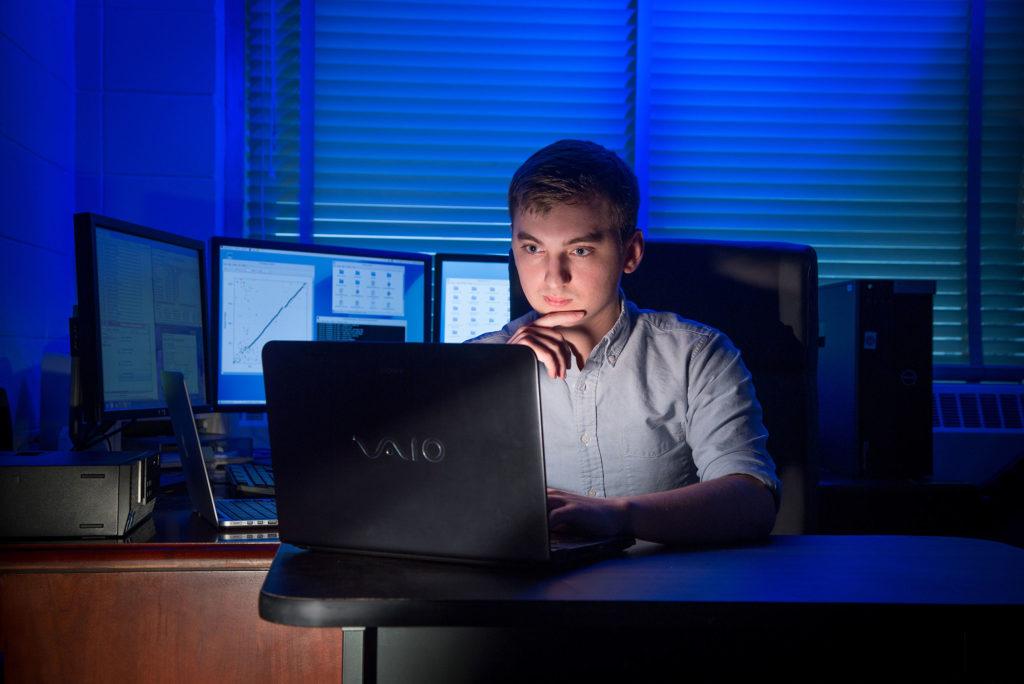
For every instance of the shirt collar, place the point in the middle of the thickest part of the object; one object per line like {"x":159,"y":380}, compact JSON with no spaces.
{"x":614,"y":340}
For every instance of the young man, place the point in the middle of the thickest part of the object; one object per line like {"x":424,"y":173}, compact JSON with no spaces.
{"x":651,"y":425}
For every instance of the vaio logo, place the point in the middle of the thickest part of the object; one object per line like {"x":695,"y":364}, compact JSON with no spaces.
{"x":429,"y":449}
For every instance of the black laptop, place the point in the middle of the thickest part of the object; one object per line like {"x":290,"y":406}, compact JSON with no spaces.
{"x":407,"y":449}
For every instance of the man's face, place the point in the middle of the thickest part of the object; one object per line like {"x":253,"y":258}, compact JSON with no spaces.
{"x":570,"y":259}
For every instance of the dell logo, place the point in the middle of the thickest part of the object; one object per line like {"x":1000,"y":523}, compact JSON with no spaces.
{"x":430,"y":449}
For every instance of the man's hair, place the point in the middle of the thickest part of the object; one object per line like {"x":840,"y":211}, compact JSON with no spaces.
{"x":577,"y":172}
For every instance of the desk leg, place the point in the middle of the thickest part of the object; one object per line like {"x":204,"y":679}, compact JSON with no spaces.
{"x":359,"y":655}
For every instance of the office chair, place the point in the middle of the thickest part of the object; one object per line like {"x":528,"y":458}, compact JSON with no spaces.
{"x":764,"y":296}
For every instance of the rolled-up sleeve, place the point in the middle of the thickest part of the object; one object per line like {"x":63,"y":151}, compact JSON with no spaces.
{"x":725,"y":429}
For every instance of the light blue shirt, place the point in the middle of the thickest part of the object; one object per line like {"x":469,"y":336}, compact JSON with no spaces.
{"x":662,"y":402}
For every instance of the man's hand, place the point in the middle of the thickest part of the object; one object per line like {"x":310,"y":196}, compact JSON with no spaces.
{"x":727,"y":509}
{"x":587,"y":516}
{"x":547,"y":342}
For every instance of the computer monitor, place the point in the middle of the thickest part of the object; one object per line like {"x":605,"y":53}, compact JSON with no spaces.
{"x":266,"y":291}
{"x":471,"y":295}
{"x":141,"y":310}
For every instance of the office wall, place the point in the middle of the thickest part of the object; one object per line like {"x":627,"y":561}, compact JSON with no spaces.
{"x":110,"y":106}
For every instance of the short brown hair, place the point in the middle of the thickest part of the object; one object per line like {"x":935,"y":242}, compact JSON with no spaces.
{"x":577,"y":172}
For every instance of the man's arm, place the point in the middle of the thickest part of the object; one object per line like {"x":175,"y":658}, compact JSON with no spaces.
{"x":726,"y":509}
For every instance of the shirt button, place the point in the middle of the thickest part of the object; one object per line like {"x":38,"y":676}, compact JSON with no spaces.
{"x":591,"y":493}
{"x":585,"y":439}
{"x":611,"y":358}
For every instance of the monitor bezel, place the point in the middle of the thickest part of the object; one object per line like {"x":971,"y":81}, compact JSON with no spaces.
{"x":441,"y":257}
{"x":217,"y":242}
{"x":87,"y":345}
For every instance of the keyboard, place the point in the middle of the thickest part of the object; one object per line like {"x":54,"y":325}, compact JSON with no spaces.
{"x":249,"y":511}
{"x":252,"y":478}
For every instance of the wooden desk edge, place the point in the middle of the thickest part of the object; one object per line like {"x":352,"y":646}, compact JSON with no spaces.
{"x":134,"y":557}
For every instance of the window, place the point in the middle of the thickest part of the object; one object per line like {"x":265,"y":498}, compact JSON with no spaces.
{"x":1000,"y":216}
{"x":887,"y":135}
{"x":424,"y":110}
{"x":272,"y":131}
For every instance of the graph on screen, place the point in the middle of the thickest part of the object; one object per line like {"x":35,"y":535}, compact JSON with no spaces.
{"x":262,"y":302}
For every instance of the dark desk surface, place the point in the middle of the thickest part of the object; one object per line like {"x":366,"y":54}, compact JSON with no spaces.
{"x":838,"y":572}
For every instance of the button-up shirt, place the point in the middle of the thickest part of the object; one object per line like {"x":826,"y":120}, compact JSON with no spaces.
{"x":661,"y":402}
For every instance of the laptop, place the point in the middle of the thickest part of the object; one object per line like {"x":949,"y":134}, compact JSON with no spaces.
{"x":217,"y":512}
{"x":413,"y":450}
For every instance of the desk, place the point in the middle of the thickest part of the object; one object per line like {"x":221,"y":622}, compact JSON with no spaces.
{"x":853,"y":604}
{"x":176,"y":602}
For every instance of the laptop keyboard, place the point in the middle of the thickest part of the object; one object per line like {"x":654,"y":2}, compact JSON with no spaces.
{"x":252,"y":474}
{"x":259,"y":510}
{"x":562,"y":542}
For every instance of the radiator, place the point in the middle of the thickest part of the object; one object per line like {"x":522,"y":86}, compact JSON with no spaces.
{"x":978,"y":430}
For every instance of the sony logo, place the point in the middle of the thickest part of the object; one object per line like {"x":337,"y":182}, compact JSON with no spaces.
{"x":429,"y":449}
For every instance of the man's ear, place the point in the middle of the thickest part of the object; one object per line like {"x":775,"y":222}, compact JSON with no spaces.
{"x":633,"y":252}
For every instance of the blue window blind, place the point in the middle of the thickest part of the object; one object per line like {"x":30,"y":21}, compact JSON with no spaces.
{"x":272,"y":131}
{"x":842,"y":125}
{"x":424,"y":110}
{"x":863,"y":128}
{"x":1001,"y":238}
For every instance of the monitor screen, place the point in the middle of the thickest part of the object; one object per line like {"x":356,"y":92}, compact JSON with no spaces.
{"x":141,"y":310}
{"x":266,"y":291}
{"x":471,"y":295}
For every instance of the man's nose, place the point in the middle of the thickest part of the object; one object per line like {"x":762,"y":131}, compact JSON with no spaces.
{"x":558,"y":272}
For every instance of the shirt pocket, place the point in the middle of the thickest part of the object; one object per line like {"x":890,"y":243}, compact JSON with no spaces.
{"x":655,"y":459}
{"x":650,"y":441}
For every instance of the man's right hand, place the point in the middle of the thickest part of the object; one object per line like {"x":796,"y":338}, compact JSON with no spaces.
{"x":547,"y":342}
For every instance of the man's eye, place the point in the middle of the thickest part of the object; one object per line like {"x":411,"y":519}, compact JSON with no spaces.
{"x":531,"y":249}
{"x":581,"y":251}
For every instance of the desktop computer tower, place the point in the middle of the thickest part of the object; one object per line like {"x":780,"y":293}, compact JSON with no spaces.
{"x":77,"y":493}
{"x":875,"y":378}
